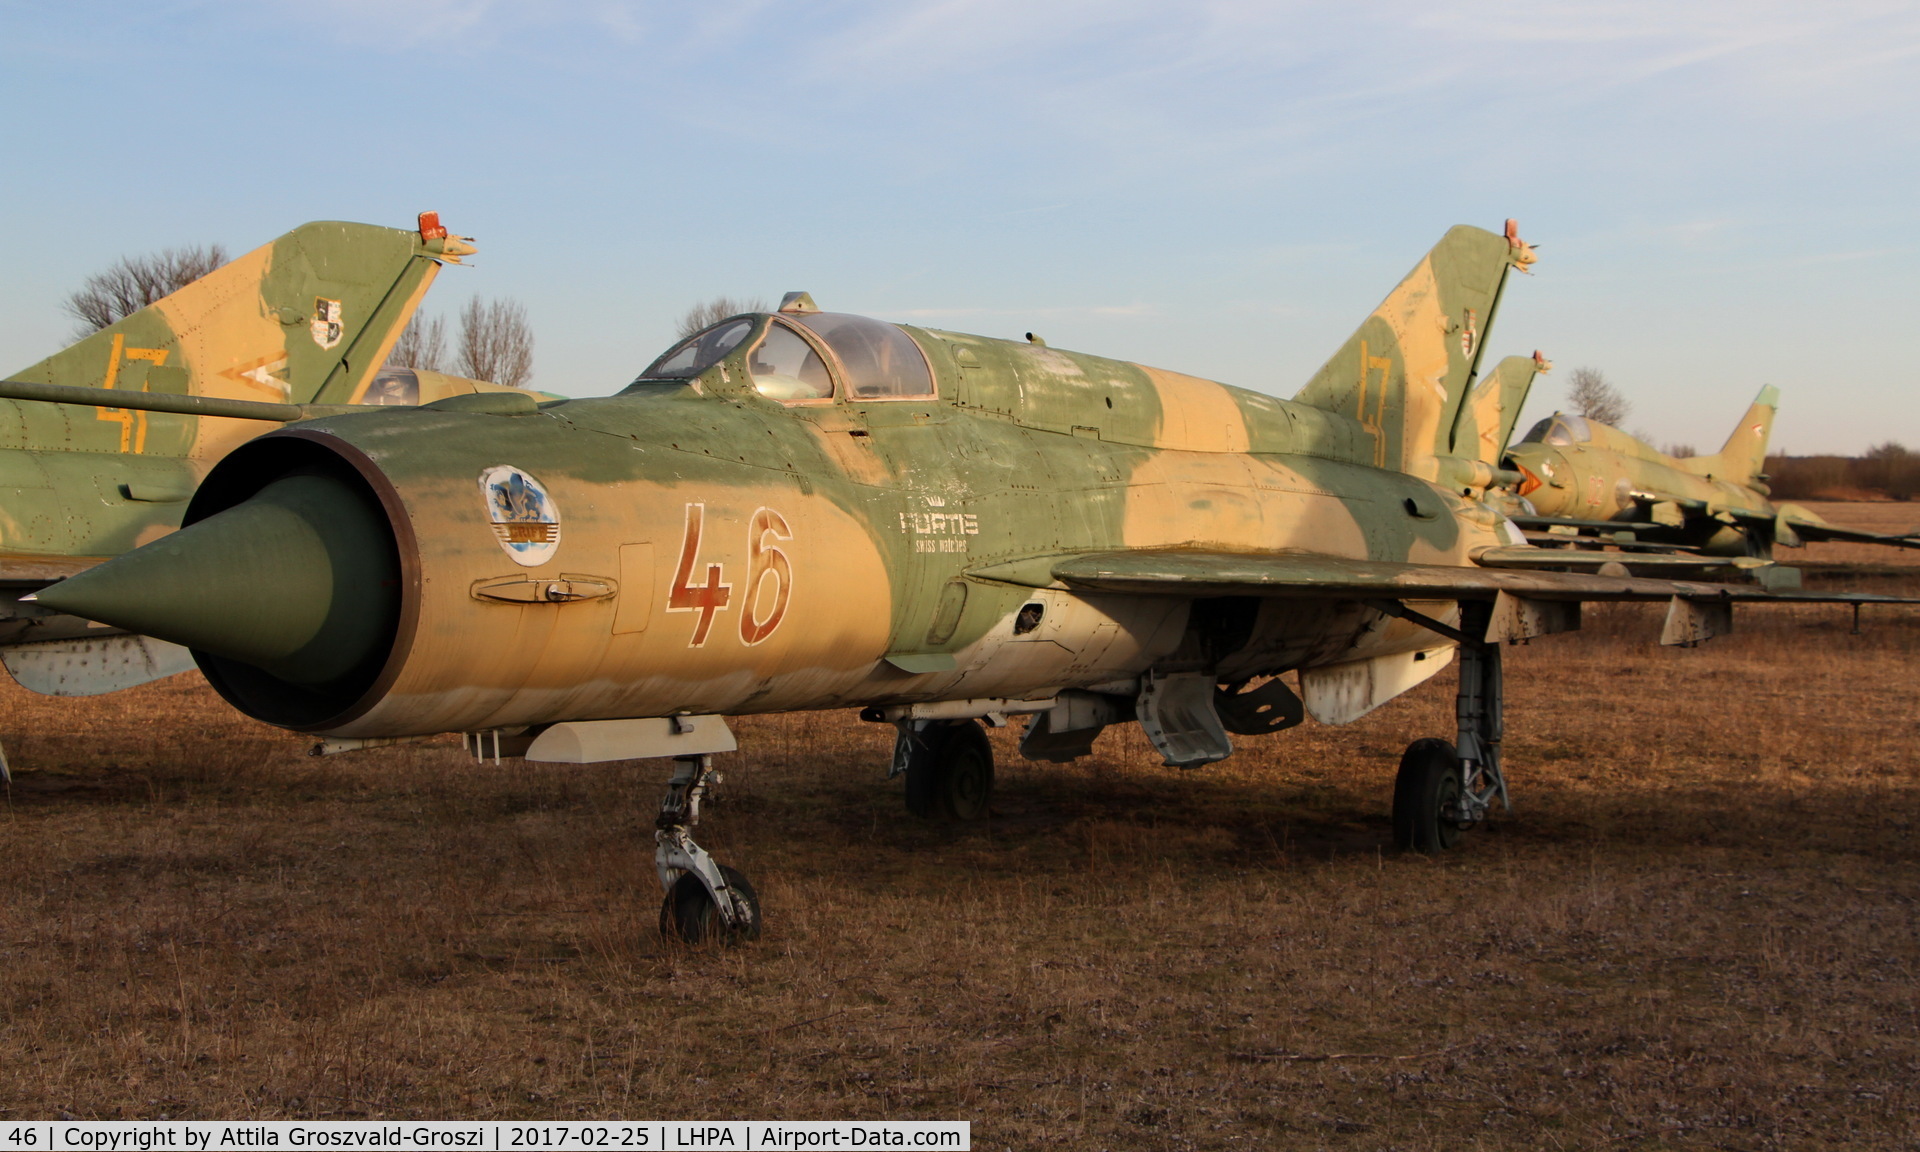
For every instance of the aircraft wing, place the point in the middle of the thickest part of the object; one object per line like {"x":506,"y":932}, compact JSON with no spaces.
{"x":1794,"y":521}
{"x":1823,"y":532}
{"x":1789,"y":528}
{"x":1575,"y":522}
{"x":1306,"y":576}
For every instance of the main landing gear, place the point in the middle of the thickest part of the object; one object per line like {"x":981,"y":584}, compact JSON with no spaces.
{"x":1444,"y":789}
{"x":949,"y":768}
{"x":705,"y":900}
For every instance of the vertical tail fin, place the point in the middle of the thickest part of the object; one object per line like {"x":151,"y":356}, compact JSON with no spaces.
{"x":307,"y":318}
{"x":1406,"y":372}
{"x":1744,"y":456}
{"x":1486,"y":420}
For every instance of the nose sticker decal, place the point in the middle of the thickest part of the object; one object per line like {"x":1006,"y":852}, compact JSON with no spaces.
{"x":524,"y":516}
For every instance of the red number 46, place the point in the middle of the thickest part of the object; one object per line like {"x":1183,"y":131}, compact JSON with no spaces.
{"x":765,"y":530}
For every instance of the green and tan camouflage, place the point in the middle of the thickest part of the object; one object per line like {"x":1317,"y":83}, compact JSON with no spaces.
{"x":1580,"y":476}
{"x":808,"y":510}
{"x":294,"y":327}
{"x":940,"y":475}
{"x":1487,"y":418}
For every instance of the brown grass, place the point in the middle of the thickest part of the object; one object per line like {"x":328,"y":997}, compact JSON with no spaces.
{"x":1699,"y":929}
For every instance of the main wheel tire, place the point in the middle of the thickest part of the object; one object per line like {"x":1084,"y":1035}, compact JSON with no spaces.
{"x":1427,"y":788}
{"x":689,"y":913}
{"x":969,"y":758}
{"x":949,"y":770}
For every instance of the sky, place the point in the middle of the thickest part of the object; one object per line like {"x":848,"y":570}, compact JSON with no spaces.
{"x":1723,"y":195}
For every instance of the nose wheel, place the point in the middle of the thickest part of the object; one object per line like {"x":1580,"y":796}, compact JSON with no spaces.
{"x":691,"y":913}
{"x":705,"y":900}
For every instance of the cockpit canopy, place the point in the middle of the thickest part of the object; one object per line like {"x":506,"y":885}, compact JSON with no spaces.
{"x":393,"y":385}
{"x":700,"y":351}
{"x":1560,"y":430}
{"x":800,"y":356}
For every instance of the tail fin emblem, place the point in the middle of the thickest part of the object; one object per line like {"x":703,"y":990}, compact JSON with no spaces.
{"x":327,"y":326}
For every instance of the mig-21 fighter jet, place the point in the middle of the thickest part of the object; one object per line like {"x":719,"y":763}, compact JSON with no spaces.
{"x":805,"y":509}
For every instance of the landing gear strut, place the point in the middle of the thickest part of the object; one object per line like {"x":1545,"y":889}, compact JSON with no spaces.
{"x":1444,"y":789}
{"x":705,"y":900}
{"x":949,"y":768}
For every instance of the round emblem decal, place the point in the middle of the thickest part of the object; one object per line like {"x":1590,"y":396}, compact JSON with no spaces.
{"x":524,"y":516}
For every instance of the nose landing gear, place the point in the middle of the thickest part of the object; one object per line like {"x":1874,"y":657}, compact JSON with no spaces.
{"x":705,"y":900}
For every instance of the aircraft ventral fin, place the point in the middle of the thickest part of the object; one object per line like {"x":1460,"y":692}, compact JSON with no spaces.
{"x":1305,"y":576}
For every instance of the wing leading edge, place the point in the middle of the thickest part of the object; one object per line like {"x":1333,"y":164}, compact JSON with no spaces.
{"x":1308,"y":576}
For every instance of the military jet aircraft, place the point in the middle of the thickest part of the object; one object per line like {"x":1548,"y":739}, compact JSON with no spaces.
{"x":807,"y":509}
{"x":1586,"y":479}
{"x":302,"y":323}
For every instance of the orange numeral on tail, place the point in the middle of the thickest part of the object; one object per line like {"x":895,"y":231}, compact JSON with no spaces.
{"x":764,"y":560}
{"x":705,"y":599}
{"x":128,"y":419}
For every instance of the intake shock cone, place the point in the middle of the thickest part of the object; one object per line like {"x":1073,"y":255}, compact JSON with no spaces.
{"x":289,"y":598}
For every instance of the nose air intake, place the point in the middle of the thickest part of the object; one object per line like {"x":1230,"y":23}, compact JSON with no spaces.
{"x":296,"y":578}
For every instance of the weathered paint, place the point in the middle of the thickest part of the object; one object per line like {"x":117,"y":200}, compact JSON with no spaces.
{"x":1580,"y":469}
{"x":1404,"y":374}
{"x":1048,"y":521}
{"x":749,"y":554}
{"x":1606,"y":473}
{"x":308,"y":318}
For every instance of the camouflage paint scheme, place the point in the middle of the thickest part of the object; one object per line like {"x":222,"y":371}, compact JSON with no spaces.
{"x":307,"y":319}
{"x":820,"y":538}
{"x":808,"y":510}
{"x":696,"y":546}
{"x":1576,"y":473}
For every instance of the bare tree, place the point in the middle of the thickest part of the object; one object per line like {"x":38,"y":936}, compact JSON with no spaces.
{"x":133,"y":282}
{"x":1594,"y":398}
{"x":422,"y":344}
{"x":496,"y":342}
{"x":1680,"y":451}
{"x":1889,"y":468}
{"x":715,"y":310}
{"x":1894,"y":468}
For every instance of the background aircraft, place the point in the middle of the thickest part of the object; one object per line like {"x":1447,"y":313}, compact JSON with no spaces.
{"x":806,"y":510}
{"x":1585,"y":478}
{"x":303,"y":321}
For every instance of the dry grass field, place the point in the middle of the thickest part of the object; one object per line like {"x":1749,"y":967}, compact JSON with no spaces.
{"x":1700,"y":927}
